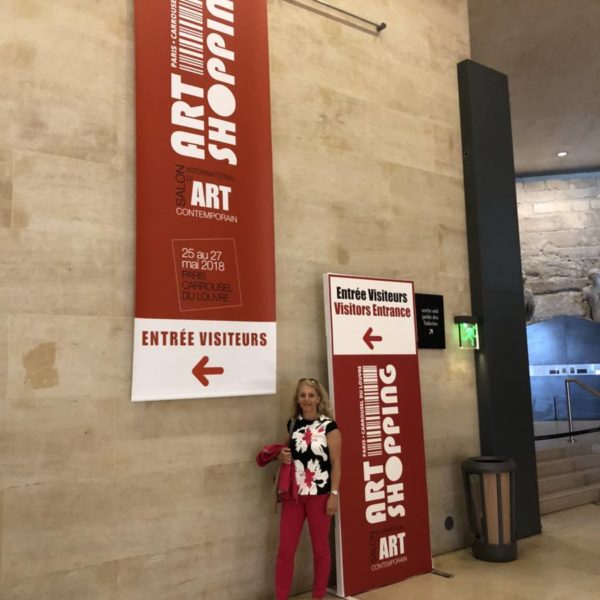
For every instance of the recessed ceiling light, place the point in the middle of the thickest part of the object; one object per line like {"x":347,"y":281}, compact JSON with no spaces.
{"x":562,"y":153}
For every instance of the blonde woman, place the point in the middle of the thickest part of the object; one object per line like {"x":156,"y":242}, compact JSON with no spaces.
{"x":314,"y":445}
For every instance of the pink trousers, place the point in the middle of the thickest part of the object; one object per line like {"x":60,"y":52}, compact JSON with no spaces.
{"x":293,"y":513}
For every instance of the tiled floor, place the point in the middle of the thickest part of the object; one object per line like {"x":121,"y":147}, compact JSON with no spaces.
{"x":561,"y":563}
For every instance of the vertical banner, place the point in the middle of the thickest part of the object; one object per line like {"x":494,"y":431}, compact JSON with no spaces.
{"x":382,"y":530}
{"x":205,"y":268}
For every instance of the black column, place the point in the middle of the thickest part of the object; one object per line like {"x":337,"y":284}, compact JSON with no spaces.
{"x":502,"y":368}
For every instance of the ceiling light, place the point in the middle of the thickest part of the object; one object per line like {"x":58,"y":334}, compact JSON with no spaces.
{"x":562,"y":153}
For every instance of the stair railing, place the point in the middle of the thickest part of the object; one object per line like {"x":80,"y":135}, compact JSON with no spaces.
{"x":587,"y":388}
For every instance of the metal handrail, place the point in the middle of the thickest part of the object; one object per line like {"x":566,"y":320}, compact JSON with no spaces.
{"x":587,"y":388}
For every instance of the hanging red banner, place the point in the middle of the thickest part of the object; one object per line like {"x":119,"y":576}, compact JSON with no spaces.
{"x":382,"y":530}
{"x":205,"y":278}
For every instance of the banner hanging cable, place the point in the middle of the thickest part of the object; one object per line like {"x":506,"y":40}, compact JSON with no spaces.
{"x":378,"y":26}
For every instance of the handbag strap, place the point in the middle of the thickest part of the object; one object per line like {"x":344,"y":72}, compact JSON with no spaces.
{"x":292,"y":425}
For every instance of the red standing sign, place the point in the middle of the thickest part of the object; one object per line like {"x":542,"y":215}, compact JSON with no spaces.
{"x":205,"y":279}
{"x":382,"y":531}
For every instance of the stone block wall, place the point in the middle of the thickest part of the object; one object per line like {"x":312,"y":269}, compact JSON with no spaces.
{"x":108,"y":500}
{"x":559,"y":226}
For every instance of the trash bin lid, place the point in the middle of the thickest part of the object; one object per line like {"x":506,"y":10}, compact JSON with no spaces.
{"x":489,"y":464}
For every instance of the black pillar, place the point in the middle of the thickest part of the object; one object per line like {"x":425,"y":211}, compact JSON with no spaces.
{"x":502,"y":368}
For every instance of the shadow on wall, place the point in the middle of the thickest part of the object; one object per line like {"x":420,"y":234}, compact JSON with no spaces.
{"x":560,"y":348}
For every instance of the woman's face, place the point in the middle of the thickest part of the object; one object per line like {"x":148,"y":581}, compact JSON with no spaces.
{"x":308,"y":399}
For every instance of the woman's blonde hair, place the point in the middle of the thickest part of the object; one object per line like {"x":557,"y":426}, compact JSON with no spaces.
{"x":323,"y":407}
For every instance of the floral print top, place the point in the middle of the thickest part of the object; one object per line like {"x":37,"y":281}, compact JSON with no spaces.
{"x":311,"y":454}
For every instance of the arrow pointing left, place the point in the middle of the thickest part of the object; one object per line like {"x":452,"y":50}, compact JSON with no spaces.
{"x":369,"y":338}
{"x":201,"y":370}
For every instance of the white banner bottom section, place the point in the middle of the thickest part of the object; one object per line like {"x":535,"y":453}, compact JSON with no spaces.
{"x":175,"y":359}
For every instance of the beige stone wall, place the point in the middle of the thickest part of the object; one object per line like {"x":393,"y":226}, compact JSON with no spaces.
{"x":559,"y":225}
{"x":106,"y":500}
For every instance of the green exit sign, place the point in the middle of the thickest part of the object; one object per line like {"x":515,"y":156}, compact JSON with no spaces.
{"x":468,"y":333}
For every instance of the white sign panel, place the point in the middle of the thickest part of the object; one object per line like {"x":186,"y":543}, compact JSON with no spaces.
{"x":381,"y":314}
{"x":226,"y":358}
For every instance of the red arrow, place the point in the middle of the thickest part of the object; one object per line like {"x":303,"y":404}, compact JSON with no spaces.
{"x":200,"y":371}
{"x":369,"y":339}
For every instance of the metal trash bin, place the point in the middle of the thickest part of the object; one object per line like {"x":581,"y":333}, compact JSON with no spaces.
{"x":490,"y":493}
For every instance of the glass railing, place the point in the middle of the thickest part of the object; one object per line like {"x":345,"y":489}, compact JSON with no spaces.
{"x":571,"y":431}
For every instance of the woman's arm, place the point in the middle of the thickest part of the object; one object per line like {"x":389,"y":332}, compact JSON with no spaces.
{"x":334,"y":442}
{"x":285,"y":455}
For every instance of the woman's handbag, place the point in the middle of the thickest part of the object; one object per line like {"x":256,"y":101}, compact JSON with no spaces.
{"x":285,"y":485}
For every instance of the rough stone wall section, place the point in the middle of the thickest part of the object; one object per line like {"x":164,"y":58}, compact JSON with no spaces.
{"x":559,"y":223}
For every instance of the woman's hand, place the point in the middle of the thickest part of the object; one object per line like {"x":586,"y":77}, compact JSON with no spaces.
{"x":285,"y":456}
{"x":332,"y":505}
